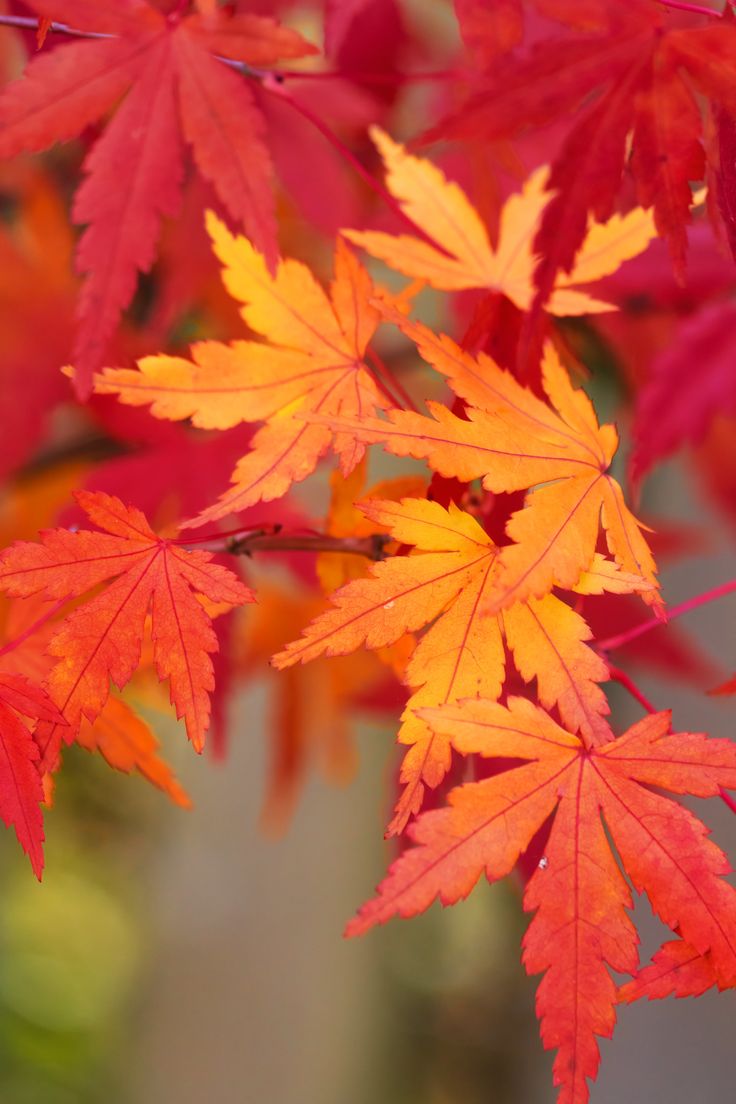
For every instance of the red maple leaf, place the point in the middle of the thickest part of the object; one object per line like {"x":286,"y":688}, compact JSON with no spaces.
{"x":179,"y":85}
{"x":691,"y":382}
{"x":21,"y":787}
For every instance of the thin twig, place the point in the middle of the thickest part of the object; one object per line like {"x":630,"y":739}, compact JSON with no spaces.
{"x":30,"y":23}
{"x":372,"y":547}
{"x":626,"y":637}
{"x":628,"y":684}
{"x":218,"y":538}
{"x":274,"y":84}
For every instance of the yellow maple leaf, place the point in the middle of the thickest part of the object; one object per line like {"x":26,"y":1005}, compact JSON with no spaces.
{"x":441,"y":208}
{"x":310,"y":360}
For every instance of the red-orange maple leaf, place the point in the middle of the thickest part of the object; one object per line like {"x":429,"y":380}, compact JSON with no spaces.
{"x":177,"y":86}
{"x":578,"y":893}
{"x":21,"y":787}
{"x":101,"y":640}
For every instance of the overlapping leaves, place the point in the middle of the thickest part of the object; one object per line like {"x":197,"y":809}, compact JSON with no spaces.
{"x":513,"y":441}
{"x":447,"y":585}
{"x":101,"y":640}
{"x":635,"y":71}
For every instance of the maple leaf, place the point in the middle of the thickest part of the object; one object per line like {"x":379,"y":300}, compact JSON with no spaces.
{"x":514,"y":441}
{"x":579,"y":894}
{"x":636,"y":70}
{"x":176,"y":87}
{"x":21,"y":788}
{"x":101,"y":640}
{"x":441,"y":208}
{"x":444,"y":585}
{"x":678,"y":403}
{"x":311,"y":360}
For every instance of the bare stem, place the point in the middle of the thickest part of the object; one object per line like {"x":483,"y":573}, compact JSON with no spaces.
{"x":634,"y":633}
{"x":271,"y":539}
{"x":382,"y":381}
{"x":628,"y":684}
{"x":217,"y":539}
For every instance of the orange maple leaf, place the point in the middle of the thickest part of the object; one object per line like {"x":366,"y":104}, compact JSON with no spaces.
{"x":578,"y":893}
{"x":445,"y":584}
{"x":514,"y":441}
{"x":101,"y":640}
{"x":311,"y":360}
{"x":441,"y":208}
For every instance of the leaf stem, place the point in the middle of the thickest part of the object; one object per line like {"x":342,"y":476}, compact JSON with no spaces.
{"x":611,"y":642}
{"x":274,"y":83}
{"x":696,"y":9}
{"x":628,"y":684}
{"x":31,"y":23}
{"x":391,"y":380}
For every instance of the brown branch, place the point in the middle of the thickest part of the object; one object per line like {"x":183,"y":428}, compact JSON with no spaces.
{"x":372,"y":547}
